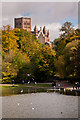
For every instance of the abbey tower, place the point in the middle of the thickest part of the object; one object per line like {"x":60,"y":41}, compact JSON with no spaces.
{"x":25,"y":23}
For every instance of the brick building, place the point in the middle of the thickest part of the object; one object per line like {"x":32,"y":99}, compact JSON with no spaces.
{"x":25,"y":23}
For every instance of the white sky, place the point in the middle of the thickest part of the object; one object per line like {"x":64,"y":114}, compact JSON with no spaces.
{"x":50,"y":14}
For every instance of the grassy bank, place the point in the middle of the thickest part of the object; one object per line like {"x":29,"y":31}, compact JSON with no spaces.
{"x":39,"y":85}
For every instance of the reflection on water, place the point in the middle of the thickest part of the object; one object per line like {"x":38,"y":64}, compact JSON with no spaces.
{"x":25,"y":90}
{"x":40,"y":105}
{"x":18,"y":90}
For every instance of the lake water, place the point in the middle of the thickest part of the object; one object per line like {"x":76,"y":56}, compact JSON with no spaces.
{"x":40,"y":105}
{"x":24,"y":90}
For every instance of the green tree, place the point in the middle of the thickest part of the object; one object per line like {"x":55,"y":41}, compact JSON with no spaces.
{"x":27,"y":42}
{"x":43,"y":62}
{"x":9,"y":39}
{"x":9,"y":48}
{"x":68,"y":35}
{"x":64,"y":46}
{"x":67,"y":29}
{"x":76,"y":53}
{"x":65,"y":64}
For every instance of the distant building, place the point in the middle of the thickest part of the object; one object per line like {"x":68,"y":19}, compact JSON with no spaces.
{"x":42,"y":35}
{"x":25,"y":23}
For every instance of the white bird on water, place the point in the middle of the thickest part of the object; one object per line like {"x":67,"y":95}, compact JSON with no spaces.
{"x":32,"y":108}
{"x":21,"y":90}
{"x":18,"y":104}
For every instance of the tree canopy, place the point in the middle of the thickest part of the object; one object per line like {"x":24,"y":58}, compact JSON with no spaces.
{"x":67,"y":51}
{"x":23,"y":54}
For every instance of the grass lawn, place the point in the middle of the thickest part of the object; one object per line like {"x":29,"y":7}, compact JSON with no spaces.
{"x":38,"y":85}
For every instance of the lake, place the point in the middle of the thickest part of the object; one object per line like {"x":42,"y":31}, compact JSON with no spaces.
{"x":40,"y":105}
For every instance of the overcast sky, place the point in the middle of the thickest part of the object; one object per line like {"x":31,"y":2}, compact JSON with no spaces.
{"x":50,"y":14}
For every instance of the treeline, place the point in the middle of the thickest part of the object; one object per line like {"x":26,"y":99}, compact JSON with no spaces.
{"x":23,"y":55}
{"x":67,"y":48}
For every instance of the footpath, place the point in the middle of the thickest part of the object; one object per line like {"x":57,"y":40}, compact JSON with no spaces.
{"x":65,"y":85}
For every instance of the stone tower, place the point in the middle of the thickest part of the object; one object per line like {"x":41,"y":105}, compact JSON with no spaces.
{"x":44,"y":31}
{"x":48,"y":35}
{"x":36,"y":31}
{"x":24,"y":23}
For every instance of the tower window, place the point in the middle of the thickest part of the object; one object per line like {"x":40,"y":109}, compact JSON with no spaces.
{"x":24,"y":23}
{"x":20,"y":23}
{"x":28,"y":23}
{"x":16,"y":23}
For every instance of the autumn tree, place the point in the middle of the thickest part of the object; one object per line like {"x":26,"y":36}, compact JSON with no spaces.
{"x":43,"y":61}
{"x":67,"y":64}
{"x":76,"y":53}
{"x":67,"y":35}
{"x":66,"y":29}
